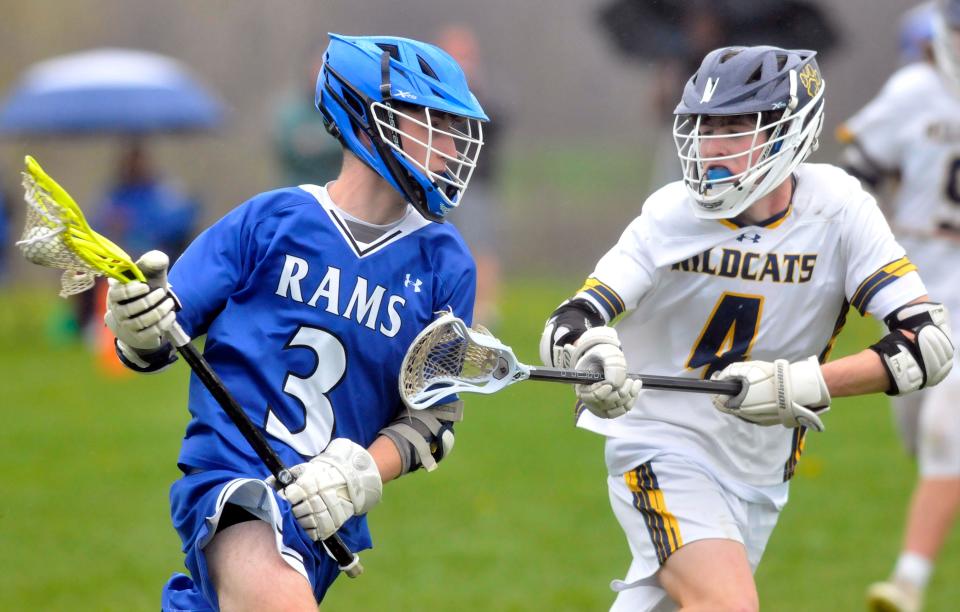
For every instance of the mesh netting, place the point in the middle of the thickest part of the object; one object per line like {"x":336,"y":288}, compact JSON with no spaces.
{"x":42,"y":241}
{"x":445,"y":355}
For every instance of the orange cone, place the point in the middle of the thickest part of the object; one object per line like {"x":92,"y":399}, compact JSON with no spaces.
{"x":107,"y":361}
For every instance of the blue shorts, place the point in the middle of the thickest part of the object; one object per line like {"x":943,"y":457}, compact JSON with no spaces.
{"x":196,"y":505}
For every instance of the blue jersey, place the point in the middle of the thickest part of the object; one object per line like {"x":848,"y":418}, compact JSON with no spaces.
{"x":307,"y":326}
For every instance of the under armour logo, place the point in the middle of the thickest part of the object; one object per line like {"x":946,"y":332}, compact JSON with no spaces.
{"x":400,"y":93}
{"x":754,"y":239}
{"x":416,"y":283}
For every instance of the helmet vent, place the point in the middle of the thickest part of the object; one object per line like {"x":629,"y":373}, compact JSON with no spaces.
{"x":729,"y":54}
{"x":756,"y":75}
{"x":393,"y":50}
{"x":354,"y":102}
{"x":425,"y":67}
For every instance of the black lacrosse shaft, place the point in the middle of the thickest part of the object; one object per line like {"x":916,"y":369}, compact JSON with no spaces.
{"x":650,"y":381}
{"x":157,"y":278}
{"x":218,"y":390}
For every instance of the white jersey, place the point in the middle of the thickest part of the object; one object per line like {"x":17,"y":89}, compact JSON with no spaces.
{"x":912,"y":129}
{"x":699,"y":294}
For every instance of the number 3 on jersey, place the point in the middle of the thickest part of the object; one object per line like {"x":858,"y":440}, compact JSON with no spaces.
{"x":729,"y":333}
{"x":310,"y":390}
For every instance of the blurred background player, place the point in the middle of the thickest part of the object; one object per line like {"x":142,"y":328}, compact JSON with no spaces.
{"x":745,"y":269}
{"x":906,"y":142}
{"x":305,"y":152}
{"x":309,"y":298}
{"x":479,"y":221}
{"x":142,"y":210}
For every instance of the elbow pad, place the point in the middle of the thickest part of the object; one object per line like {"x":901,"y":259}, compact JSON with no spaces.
{"x":566,"y":324}
{"x":923,"y":361}
{"x":424,"y":437}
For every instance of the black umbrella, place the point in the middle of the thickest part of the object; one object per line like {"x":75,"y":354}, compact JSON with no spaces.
{"x":686,"y":30}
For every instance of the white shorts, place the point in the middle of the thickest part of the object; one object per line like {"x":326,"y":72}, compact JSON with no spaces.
{"x":929,"y":426}
{"x":668,"y":502}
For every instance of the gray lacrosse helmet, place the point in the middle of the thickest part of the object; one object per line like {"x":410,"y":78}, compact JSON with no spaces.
{"x":782,"y":92}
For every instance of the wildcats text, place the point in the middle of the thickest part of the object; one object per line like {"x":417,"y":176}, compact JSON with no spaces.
{"x":748,"y":265}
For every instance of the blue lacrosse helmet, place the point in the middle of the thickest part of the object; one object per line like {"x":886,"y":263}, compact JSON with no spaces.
{"x":366,"y":80}
{"x":916,"y":31}
{"x":946,"y":51}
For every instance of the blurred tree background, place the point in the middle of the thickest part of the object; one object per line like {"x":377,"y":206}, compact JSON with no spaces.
{"x":581,"y":117}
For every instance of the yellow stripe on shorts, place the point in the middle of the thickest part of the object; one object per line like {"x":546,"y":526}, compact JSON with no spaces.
{"x":648,"y":498}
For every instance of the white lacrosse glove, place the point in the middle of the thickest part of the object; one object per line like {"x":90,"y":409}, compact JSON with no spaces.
{"x":138,"y":315}
{"x":598,"y":350}
{"x":777,"y":393}
{"x":339,"y":483}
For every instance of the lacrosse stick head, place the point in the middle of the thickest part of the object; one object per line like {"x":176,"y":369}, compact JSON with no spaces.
{"x":448,"y":357}
{"x":57,"y":235}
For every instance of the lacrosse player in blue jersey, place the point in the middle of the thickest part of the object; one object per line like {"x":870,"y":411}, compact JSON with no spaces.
{"x":309,"y":297}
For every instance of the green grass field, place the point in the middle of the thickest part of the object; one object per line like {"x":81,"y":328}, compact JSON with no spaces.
{"x":517,"y":519}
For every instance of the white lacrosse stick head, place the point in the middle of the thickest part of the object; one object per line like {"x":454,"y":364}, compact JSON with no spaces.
{"x":448,"y":357}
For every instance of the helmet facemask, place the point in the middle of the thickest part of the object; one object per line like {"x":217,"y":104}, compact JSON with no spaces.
{"x":418,"y":152}
{"x":790,"y":137}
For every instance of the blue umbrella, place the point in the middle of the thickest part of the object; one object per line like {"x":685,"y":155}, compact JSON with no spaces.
{"x":121,"y":91}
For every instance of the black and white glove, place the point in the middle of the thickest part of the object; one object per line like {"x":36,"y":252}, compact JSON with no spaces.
{"x":598,"y":349}
{"x":777,"y":393}
{"x":341,"y":482}
{"x":138,"y":315}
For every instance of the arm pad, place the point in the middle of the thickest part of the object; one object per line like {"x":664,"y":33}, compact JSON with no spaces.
{"x":424,"y":437}
{"x":565,"y":326}
{"x":923,"y":361}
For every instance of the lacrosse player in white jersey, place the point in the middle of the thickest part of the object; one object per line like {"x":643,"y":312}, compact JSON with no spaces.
{"x":911,"y":130}
{"x":744,"y":269}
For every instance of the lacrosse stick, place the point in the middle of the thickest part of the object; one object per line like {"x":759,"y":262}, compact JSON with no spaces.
{"x":56,"y":235}
{"x":448,"y":357}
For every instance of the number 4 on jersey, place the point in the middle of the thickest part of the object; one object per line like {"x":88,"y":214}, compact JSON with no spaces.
{"x":729,"y":333}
